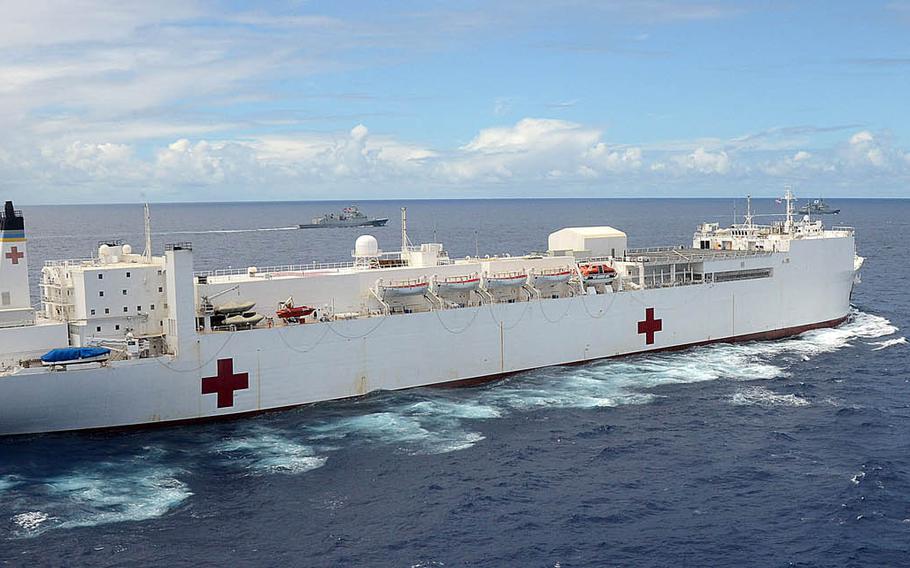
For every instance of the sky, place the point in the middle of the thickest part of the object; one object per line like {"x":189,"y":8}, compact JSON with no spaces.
{"x":179,"y":100}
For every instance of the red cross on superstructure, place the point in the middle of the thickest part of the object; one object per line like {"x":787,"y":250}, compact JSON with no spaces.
{"x":14,"y":255}
{"x":650,"y":326}
{"x":225,"y":383}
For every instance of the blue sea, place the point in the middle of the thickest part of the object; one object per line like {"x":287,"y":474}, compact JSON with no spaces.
{"x":786,"y":453}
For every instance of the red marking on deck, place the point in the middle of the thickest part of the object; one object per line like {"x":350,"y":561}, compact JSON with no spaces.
{"x":225,"y":383}
{"x":649,"y":326}
{"x":14,"y":255}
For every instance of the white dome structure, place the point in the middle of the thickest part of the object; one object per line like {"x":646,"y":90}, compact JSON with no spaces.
{"x":366,"y":246}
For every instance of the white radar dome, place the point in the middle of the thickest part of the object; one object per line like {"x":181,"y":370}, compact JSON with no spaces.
{"x":127,"y":249}
{"x":366,"y":245}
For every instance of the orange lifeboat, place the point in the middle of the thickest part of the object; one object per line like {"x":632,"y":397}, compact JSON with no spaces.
{"x":294,"y":312}
{"x":597,"y":273}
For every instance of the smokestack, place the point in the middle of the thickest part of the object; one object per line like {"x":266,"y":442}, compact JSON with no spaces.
{"x":11,"y":219}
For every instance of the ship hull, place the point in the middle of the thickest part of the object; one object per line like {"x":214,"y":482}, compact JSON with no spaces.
{"x":220,"y":375}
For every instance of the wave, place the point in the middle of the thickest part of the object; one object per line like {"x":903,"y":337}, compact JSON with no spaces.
{"x":425,"y":428}
{"x":759,"y":396}
{"x":8,"y":482}
{"x":103,"y":494}
{"x":229,"y":231}
{"x":267,"y":451}
{"x":888,"y":343}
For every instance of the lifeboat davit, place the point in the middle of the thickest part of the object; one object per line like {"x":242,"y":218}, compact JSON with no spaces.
{"x":597,"y":273}
{"x":505,"y":280}
{"x":551,"y":277}
{"x":455,"y":285}
{"x":403,"y":289}
{"x":294,"y":312}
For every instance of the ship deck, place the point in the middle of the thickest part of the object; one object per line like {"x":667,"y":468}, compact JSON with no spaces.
{"x":679,"y":255}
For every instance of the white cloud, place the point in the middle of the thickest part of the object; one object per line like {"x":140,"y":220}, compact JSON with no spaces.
{"x":865,"y":149}
{"x":532,"y":154}
{"x":206,"y":163}
{"x":702,"y":161}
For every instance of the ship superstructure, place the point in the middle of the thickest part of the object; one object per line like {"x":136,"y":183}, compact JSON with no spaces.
{"x":188,"y":345}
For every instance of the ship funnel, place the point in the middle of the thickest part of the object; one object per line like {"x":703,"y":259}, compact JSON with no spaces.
{"x":15,"y":301}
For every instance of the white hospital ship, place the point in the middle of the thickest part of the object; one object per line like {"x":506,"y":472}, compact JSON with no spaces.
{"x":128,"y":339}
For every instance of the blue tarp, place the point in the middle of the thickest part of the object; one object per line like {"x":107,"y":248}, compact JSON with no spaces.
{"x":73,"y":354}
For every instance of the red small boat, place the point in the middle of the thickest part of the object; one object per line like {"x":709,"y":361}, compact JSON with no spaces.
{"x":294,"y":312}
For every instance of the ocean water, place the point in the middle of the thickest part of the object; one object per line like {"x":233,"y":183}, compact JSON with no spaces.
{"x":785,"y":453}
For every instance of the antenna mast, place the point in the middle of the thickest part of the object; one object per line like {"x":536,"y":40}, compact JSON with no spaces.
{"x":788,"y":197}
{"x":148,"y":235}
{"x":749,"y":211}
{"x":404,"y":230}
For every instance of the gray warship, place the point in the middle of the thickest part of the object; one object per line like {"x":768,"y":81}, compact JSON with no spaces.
{"x":817,"y":207}
{"x":348,"y":217}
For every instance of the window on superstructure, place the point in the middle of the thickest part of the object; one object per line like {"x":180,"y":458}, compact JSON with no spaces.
{"x":125,"y":309}
{"x":101,"y":293}
{"x":98,"y":329}
{"x":117,"y":327}
{"x":100,"y":276}
{"x":127,"y":274}
{"x":93,"y":312}
{"x":138,"y":308}
{"x":160,"y":289}
{"x":107,"y":310}
{"x":152,"y":307}
{"x":4,"y":299}
{"x":124,"y":292}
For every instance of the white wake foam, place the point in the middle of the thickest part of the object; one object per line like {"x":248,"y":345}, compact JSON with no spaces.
{"x":105,"y":493}
{"x":760,"y":396}
{"x":428,"y":427}
{"x":31,"y":521}
{"x":888,"y":343}
{"x":228,"y":231}
{"x":267,"y":451}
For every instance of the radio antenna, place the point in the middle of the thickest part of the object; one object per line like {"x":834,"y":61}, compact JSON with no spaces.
{"x":148,"y":235}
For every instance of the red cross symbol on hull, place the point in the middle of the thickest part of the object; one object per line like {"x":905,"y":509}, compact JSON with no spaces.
{"x":225,"y":383}
{"x":14,"y":255}
{"x":649,"y":326}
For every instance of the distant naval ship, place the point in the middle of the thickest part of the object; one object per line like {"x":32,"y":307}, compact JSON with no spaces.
{"x":817,"y":207}
{"x":349,"y":217}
